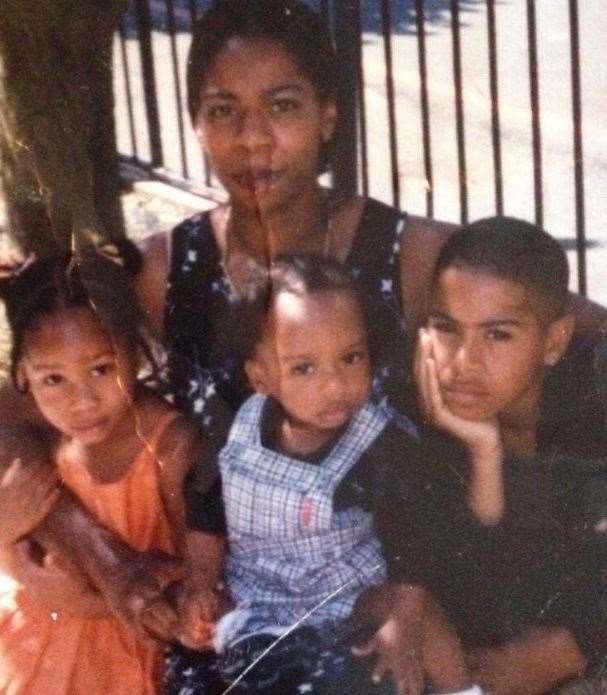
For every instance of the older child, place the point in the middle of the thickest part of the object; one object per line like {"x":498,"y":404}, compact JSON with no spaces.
{"x":121,"y":451}
{"x":299,"y":476}
{"x":501,"y":499}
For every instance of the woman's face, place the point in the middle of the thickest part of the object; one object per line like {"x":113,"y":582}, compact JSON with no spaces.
{"x":262,"y":124}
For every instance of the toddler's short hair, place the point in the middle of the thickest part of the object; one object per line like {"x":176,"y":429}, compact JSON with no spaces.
{"x":298,"y":275}
{"x":515,"y":250}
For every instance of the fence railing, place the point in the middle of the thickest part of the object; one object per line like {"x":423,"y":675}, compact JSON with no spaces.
{"x":450,"y":108}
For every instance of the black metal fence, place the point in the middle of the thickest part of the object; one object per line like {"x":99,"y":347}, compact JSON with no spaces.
{"x":449,"y":108}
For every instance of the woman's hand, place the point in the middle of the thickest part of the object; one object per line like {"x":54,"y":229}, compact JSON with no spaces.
{"x":199,"y":609}
{"x":28,"y":492}
{"x":54,"y":582}
{"x":134,"y":592}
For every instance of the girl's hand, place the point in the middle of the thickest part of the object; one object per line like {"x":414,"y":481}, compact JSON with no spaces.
{"x":28,"y":492}
{"x":477,"y":435}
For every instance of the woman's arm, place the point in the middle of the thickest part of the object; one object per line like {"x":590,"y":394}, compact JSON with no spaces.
{"x":151,"y":281}
{"x":422,"y":241}
{"x":53,"y":580}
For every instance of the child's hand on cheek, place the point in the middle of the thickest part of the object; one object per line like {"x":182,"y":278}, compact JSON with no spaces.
{"x":475,"y":434}
{"x":481,"y":437}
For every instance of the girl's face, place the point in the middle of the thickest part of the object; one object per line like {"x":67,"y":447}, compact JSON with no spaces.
{"x":314,"y":359}
{"x":490,"y":346}
{"x":262,"y":124}
{"x":82,"y":381}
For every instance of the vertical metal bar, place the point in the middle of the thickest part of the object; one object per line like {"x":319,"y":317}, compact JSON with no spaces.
{"x":362,"y":114}
{"x":127,"y":89}
{"x":144,"y":27}
{"x":425,"y":105}
{"x":459,"y":111}
{"x":535,"y":113}
{"x":347,"y":15}
{"x":495,"y":109}
{"x":386,"y":23}
{"x":578,"y":154}
{"x":179,"y":107}
{"x":193,"y":13}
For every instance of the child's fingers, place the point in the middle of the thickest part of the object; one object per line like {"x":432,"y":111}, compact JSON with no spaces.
{"x":364,"y":650}
{"x":380,"y":670}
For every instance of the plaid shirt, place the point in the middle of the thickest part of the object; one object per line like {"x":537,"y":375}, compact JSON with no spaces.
{"x":291,"y":556}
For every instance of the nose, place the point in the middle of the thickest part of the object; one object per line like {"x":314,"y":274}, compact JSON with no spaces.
{"x":468,"y":354}
{"x":83,"y":397}
{"x":255,"y":129}
{"x":333,"y":384}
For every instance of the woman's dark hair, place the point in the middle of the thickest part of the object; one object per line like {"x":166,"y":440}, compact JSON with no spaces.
{"x":512,"y":249}
{"x":291,"y":23}
{"x":298,"y":275}
{"x":50,"y":284}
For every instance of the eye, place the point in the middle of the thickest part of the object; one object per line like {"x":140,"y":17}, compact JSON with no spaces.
{"x":355,"y":356}
{"x":219,"y":111}
{"x":304,"y":369}
{"x":102,"y":369}
{"x":284,"y":105}
{"x":498,"y":335}
{"x":442,"y":325}
{"x":52,"y":380}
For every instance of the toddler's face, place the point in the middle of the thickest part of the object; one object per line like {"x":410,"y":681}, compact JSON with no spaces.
{"x":81,"y":380}
{"x":314,"y":359}
{"x":490,"y":346}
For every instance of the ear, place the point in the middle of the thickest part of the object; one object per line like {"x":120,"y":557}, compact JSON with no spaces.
{"x":557,"y":339}
{"x":20,"y":380}
{"x":328,"y":119}
{"x":256,"y":375}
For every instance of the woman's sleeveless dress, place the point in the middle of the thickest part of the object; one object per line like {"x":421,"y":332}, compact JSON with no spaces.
{"x":205,"y":376}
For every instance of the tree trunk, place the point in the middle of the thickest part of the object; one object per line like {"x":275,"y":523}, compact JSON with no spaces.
{"x":57,"y":139}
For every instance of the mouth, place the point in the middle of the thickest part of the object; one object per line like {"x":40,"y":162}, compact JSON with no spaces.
{"x":463,"y":395}
{"x":335,"y":415}
{"x":257,"y":181}
{"x":87,"y":428}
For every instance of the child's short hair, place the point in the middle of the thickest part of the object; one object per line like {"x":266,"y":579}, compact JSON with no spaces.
{"x":298,"y":275}
{"x":99,"y":282}
{"x":512,"y":249}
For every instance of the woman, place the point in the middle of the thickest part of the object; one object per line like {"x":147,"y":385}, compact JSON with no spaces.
{"x":263,"y":84}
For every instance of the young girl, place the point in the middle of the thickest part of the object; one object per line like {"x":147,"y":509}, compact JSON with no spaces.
{"x":122,"y":451}
{"x":300,"y":476}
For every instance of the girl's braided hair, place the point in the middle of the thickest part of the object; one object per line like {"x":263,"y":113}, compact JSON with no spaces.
{"x":40,"y":288}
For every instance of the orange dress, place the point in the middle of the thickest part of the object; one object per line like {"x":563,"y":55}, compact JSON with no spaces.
{"x":44,"y":653}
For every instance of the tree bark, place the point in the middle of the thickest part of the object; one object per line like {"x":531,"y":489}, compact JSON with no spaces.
{"x":57,"y":138}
